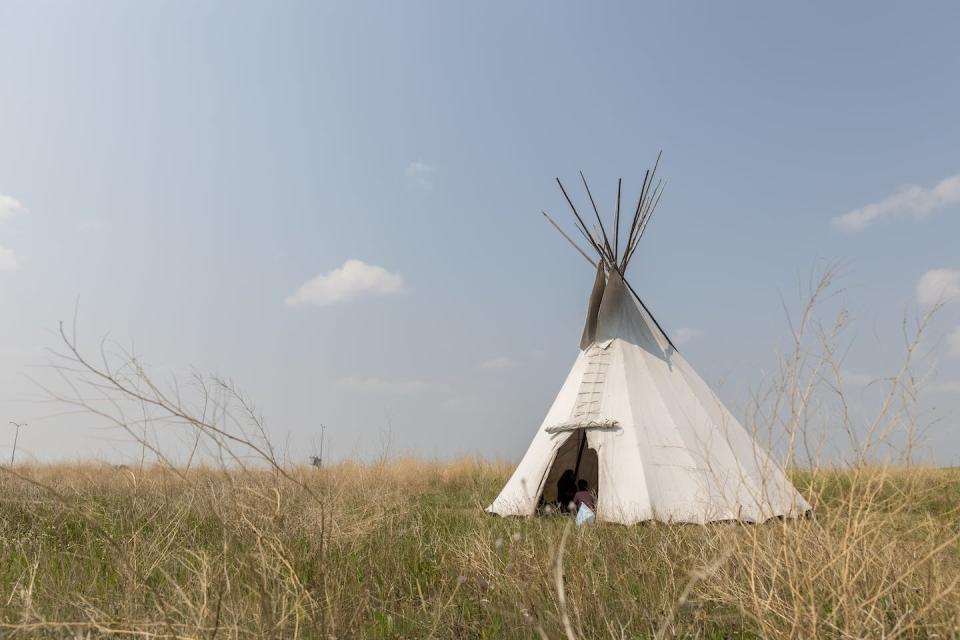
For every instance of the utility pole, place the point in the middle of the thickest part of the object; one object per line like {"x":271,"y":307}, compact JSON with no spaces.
{"x":317,"y":460}
{"x":16,"y":436}
{"x":323,"y":431}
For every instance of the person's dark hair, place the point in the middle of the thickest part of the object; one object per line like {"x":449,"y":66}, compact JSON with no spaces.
{"x":582,"y":484}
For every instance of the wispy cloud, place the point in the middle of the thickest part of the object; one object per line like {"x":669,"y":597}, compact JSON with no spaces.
{"x":855,"y":378}
{"x":420,"y":174}
{"x":938,"y":286}
{"x":91,"y":225}
{"x":8,"y":260}
{"x":683,"y":335}
{"x":953,"y":343}
{"x":499,"y":363}
{"x":380,"y":386}
{"x":10,"y":206}
{"x":910,"y":200}
{"x":462,"y":404}
{"x":947,"y":386}
{"x":352,"y":280}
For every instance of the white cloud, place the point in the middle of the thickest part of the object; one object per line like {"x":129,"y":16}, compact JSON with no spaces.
{"x":938,"y":286}
{"x":684,"y":335}
{"x":910,"y":200}
{"x":354,"y":279}
{"x":498,"y":363}
{"x":8,"y":260}
{"x":953,"y":343}
{"x":384,"y":387}
{"x":10,"y":206}
{"x":420,"y":174}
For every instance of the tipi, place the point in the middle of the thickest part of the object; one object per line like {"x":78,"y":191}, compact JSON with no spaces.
{"x":635,"y":420}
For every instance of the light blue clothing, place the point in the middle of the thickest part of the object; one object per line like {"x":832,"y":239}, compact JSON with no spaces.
{"x":585,"y":515}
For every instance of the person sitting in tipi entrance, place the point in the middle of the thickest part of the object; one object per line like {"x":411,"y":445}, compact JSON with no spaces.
{"x":583,"y":499}
{"x":583,"y":495}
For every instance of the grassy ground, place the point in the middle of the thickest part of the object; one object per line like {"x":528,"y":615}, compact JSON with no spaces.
{"x":404,"y":550}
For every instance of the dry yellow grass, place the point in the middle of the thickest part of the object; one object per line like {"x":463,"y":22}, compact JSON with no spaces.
{"x":403,"y":550}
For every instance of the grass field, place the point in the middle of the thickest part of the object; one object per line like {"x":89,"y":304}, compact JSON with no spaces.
{"x":402,"y":549}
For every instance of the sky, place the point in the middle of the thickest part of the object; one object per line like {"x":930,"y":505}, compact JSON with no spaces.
{"x":337,"y":205}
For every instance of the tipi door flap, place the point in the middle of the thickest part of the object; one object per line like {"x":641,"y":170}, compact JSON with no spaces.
{"x":595,"y":438}
{"x":558,"y":442}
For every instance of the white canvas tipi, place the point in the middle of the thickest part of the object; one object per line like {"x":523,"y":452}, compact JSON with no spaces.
{"x":638,"y":423}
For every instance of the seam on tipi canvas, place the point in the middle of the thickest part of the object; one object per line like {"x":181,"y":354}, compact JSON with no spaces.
{"x":686,"y":467}
{"x":758,"y":488}
{"x":697,"y":433}
{"x":647,"y":466}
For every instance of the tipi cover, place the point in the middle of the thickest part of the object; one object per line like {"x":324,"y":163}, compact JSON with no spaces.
{"x":636,"y":421}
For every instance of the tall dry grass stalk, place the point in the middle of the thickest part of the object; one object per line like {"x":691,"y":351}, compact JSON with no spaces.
{"x":227,"y":539}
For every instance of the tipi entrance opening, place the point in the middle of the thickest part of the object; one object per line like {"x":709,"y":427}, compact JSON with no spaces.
{"x":575,"y":455}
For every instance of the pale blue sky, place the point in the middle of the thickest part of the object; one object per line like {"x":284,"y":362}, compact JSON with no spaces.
{"x":183,"y":167}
